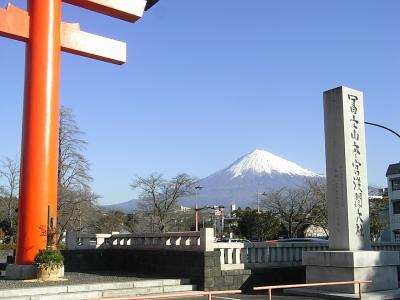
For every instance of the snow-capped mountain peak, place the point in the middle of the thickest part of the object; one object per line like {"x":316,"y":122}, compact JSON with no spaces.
{"x":264,"y":162}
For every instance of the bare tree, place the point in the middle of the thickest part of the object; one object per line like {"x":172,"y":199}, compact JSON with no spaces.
{"x":159,"y":197}
{"x":298,"y":208}
{"x":73,"y":167}
{"x":111,"y":221}
{"x":9,"y":170}
{"x":77,"y":211}
{"x":76,"y":201}
{"x":320,"y":213}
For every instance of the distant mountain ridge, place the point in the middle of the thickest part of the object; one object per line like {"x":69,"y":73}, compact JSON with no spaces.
{"x":125,"y":207}
{"x":256,"y":172}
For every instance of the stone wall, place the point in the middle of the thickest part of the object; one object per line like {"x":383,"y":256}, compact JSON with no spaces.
{"x":183,"y":264}
{"x":202,"y":268}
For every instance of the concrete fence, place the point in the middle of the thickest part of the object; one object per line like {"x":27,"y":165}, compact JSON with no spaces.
{"x":236,"y":256}
{"x":233,"y":255}
{"x":185,"y":241}
{"x":386,"y":246}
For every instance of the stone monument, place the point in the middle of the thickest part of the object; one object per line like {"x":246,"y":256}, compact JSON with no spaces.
{"x":349,"y":257}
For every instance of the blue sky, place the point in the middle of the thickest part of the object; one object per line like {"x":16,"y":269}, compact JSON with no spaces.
{"x":208,"y":81}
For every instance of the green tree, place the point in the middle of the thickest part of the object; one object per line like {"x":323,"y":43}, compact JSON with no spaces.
{"x":255,"y":225}
{"x":378,"y":223}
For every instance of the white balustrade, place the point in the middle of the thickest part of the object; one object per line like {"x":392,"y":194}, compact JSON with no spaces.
{"x":233,"y":255}
{"x":195,"y":241}
{"x":87,"y":241}
{"x":386,"y":246}
{"x":236,"y":255}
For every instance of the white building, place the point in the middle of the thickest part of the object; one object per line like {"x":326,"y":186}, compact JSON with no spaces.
{"x":184,"y":209}
{"x":315,"y":232}
{"x":393,"y":177}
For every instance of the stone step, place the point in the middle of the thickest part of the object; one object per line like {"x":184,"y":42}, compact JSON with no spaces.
{"x":148,"y":291}
{"x":98,"y":290}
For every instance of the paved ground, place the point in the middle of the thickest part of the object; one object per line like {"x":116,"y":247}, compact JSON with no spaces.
{"x":275,"y":296}
{"x":74,"y":278}
{"x":82,"y":278}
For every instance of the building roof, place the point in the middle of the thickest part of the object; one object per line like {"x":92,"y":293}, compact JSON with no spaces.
{"x":393,"y":169}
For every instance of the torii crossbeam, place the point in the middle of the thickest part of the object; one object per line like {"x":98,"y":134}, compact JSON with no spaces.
{"x":46,"y":36}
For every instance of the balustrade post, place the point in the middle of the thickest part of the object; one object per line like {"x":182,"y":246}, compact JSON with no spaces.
{"x":207,"y":239}
{"x":259,"y":255}
{"x":229,"y":253}
{"x":222,"y":256}
{"x":243,"y":255}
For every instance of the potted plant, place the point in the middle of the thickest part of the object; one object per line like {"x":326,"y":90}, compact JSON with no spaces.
{"x":50,"y":264}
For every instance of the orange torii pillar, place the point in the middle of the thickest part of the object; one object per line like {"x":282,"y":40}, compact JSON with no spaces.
{"x":46,"y":36}
{"x":39,"y":159}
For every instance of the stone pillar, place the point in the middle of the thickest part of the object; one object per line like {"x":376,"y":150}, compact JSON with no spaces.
{"x":349,"y":257}
{"x":346,"y":170}
{"x":207,"y":239}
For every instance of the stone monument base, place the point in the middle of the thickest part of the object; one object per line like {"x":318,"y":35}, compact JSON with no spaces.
{"x":327,"y":266}
{"x":21,"y":272}
{"x":378,"y":295}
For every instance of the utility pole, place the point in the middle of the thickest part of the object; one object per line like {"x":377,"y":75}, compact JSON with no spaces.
{"x":196,"y":208}
{"x":258,"y":201}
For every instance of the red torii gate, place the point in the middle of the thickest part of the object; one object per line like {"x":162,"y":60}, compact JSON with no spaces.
{"x":45,"y":36}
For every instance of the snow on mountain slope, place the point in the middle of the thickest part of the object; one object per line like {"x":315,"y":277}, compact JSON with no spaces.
{"x":257,"y":171}
{"x":260,"y":161}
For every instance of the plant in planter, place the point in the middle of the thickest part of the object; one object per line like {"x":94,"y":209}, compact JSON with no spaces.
{"x":50,"y":264}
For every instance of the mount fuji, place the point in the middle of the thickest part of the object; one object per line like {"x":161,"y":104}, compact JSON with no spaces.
{"x":257,"y":171}
{"x":239,"y":183}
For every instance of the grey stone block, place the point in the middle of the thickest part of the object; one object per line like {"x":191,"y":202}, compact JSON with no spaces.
{"x":228,"y":280}
{"x":208,"y":273}
{"x":21,"y":272}
{"x":10,"y":293}
{"x":381,"y":295}
{"x":209,"y":263}
{"x":378,"y":266}
{"x":209,"y":282}
{"x":99,"y":286}
{"x":148,"y":283}
{"x":216,"y":271}
{"x":383,"y":278}
{"x":218,"y":281}
{"x":178,"y":288}
{"x":133,"y":292}
{"x":69,"y":296}
{"x":351,"y":258}
{"x":185,"y":281}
